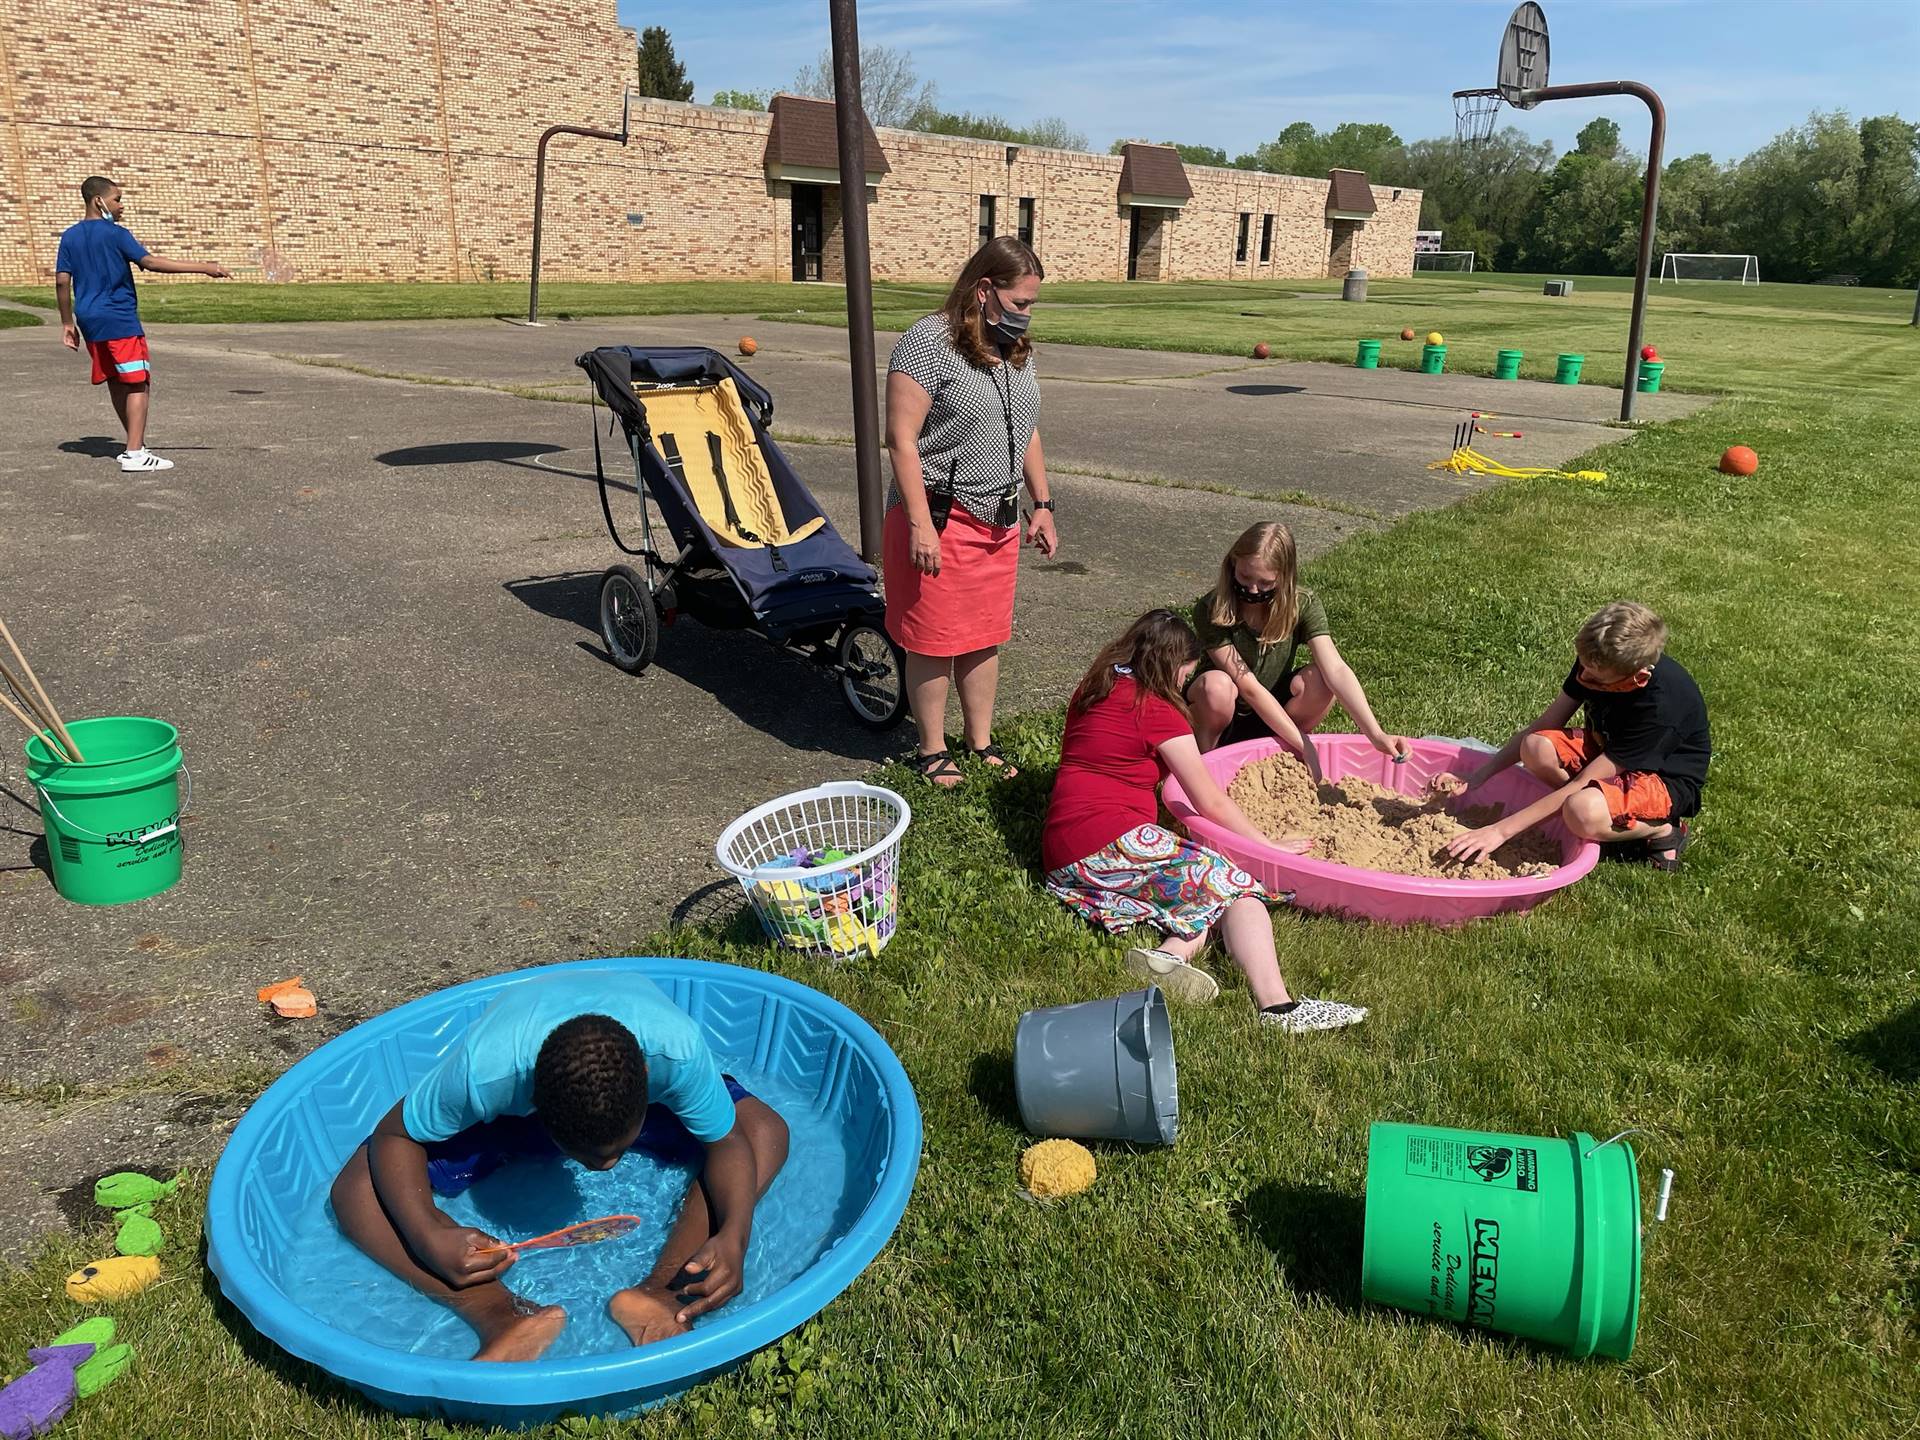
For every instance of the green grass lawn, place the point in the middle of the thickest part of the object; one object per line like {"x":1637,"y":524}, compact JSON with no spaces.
{"x":1755,"y":1017}
{"x":1772,"y":341}
{"x":16,"y":319}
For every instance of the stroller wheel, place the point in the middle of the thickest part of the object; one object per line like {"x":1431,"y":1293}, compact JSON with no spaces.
{"x":873,"y":676}
{"x":628,"y":621}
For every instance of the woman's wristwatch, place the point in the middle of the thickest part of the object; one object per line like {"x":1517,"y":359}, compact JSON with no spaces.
{"x":1043,"y":504}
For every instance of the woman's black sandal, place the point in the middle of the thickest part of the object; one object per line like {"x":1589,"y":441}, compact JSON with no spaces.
{"x":936,"y":768}
{"x":996,"y":759}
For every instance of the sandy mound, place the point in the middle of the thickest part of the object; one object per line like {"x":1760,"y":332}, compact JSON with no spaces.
{"x":1355,"y":822}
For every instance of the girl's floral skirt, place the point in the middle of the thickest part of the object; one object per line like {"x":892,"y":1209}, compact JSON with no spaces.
{"x":1150,"y":876}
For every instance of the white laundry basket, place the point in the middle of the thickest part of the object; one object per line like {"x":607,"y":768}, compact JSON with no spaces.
{"x":839,"y":909}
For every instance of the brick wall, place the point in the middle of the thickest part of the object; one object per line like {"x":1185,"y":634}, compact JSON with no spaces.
{"x":358,"y":140}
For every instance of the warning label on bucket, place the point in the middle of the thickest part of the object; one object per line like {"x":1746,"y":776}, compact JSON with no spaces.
{"x":1466,"y":1162}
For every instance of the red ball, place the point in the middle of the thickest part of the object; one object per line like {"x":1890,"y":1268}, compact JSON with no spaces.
{"x":1262,"y":350}
{"x":1647,"y":352}
{"x":748,"y":345}
{"x":1407,"y":334}
{"x":1739,"y":460}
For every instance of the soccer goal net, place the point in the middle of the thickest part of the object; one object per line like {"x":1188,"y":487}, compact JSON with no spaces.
{"x":1461,"y":260}
{"x":1745,"y":269}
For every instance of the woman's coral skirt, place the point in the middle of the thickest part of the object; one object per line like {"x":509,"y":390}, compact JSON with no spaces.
{"x":969,"y":605}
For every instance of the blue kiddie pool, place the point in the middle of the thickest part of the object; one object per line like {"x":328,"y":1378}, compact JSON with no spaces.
{"x":281,"y":1260}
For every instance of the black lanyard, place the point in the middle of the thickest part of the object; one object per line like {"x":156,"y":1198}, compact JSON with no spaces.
{"x":1005,"y":392}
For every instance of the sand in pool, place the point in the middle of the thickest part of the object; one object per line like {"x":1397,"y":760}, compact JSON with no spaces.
{"x":1355,"y":822}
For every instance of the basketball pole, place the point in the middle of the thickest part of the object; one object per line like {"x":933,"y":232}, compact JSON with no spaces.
{"x":1649,"y":210}
{"x":619,"y":137}
{"x":850,"y":132}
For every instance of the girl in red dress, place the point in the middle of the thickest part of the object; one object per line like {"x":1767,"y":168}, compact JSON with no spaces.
{"x":1108,"y":859}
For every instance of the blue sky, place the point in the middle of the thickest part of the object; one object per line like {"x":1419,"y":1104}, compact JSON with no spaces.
{"x":1233,"y":72}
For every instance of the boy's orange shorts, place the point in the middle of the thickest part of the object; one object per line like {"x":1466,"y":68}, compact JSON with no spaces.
{"x":1637,"y":796}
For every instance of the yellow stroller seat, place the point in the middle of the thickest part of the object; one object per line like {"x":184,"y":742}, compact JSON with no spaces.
{"x":704,"y":437}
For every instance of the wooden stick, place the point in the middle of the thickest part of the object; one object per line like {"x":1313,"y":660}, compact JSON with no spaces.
{"x":41,"y":690}
{"x":34,"y":728}
{"x":24,"y":695}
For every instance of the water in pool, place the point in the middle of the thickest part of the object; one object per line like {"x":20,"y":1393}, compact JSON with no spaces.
{"x":796,"y":1221}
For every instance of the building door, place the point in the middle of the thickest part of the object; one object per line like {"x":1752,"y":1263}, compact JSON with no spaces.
{"x":1133,"y":243}
{"x":1340,"y":248}
{"x":807,"y":230}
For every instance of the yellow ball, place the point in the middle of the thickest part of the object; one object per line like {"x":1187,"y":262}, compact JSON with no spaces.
{"x":1054,"y":1168}
{"x":1434,"y":337}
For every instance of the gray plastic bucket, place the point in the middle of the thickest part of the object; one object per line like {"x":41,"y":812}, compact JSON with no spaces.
{"x":1098,"y":1070}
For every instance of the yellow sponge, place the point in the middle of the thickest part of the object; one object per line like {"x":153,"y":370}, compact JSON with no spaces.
{"x":1054,"y":1168}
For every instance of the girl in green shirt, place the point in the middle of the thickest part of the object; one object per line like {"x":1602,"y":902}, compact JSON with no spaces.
{"x":1252,"y":625}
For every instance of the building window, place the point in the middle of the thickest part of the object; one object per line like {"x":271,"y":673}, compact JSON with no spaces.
{"x":1240,"y":245}
{"x":986,"y":218}
{"x":1026,"y":219}
{"x":1266,"y":238}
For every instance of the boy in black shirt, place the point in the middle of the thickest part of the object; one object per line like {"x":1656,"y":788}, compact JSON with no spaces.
{"x":1635,"y":772}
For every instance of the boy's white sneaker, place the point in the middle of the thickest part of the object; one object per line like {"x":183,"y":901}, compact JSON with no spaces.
{"x":143,"y":460}
{"x":1314,"y":1015}
{"x":1184,"y":982}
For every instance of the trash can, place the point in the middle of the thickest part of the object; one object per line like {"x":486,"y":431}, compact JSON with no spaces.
{"x":1355,"y":285}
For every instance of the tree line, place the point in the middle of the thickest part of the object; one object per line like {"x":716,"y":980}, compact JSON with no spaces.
{"x":1830,"y":198}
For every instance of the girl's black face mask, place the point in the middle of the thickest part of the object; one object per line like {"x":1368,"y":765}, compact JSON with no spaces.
{"x":1248,"y":596}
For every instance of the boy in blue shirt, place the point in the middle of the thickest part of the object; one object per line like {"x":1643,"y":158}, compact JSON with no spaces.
{"x":581,"y":1066}
{"x":93,"y":282}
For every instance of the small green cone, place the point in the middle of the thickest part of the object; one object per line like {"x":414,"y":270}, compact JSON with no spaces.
{"x":130,"y":1188}
{"x":139,"y":1235}
{"x":102,"y":1370}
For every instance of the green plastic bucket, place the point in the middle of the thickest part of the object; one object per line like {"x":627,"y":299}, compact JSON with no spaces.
{"x":1368,"y":355}
{"x":1433,"y":359}
{"x":1568,"y":372}
{"x":1506,"y":365}
{"x":1650,"y":373}
{"x":1533,"y":1236}
{"x":112,"y":823}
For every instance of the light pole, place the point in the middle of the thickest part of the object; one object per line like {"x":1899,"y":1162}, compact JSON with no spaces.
{"x":850,"y":131}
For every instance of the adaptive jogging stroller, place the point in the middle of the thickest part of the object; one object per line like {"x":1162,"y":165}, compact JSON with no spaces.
{"x":755,"y":551}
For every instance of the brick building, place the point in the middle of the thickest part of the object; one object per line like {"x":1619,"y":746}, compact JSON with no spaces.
{"x":357,"y":140}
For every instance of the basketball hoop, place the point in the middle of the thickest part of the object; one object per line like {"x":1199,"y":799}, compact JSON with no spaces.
{"x":1474,"y":112}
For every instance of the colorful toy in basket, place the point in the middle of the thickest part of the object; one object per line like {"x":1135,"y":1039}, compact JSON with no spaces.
{"x":819,"y":867}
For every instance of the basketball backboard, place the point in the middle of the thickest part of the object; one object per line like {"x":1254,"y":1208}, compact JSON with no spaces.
{"x":1523,"y":55}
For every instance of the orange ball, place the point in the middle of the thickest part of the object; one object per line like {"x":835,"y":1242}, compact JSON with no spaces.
{"x":1739,"y":460}
{"x":748,"y":345}
{"x":1262,"y":350}
{"x":1407,"y":334}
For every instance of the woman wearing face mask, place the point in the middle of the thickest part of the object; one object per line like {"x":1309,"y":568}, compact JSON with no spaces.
{"x":963,"y":410}
{"x":1252,"y":625}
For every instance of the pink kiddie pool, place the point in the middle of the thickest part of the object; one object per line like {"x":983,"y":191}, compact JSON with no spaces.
{"x":1378,"y":894}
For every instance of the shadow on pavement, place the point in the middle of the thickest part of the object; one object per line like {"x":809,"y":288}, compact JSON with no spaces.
{"x":465,"y":452}
{"x":776,"y":693}
{"x":98,"y":447}
{"x":1266,"y":389}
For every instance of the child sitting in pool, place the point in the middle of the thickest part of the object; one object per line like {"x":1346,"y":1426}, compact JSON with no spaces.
{"x":1252,"y":625}
{"x":1107,"y":859}
{"x":584,"y":1067}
